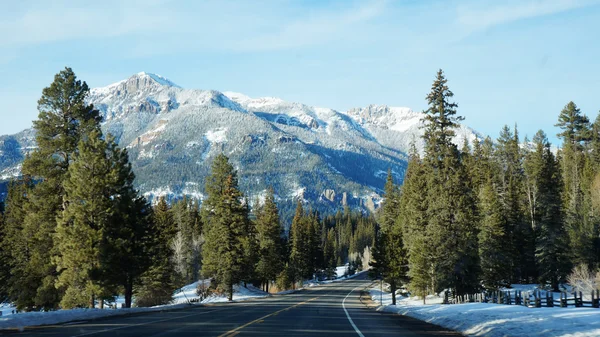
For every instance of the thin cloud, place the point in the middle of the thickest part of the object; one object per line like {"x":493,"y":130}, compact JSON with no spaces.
{"x":484,"y":17}
{"x":315,"y":30}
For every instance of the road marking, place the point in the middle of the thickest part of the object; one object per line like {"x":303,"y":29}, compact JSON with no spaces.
{"x":348,"y":315}
{"x":145,"y":323}
{"x":235,"y":331}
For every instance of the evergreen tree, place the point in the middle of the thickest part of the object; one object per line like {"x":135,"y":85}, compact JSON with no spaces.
{"x":450,"y":215}
{"x":159,"y":282}
{"x":546,"y":212}
{"x":81,"y":227}
{"x":130,"y":234}
{"x":575,"y":125}
{"x":4,"y":257}
{"x":389,"y":253}
{"x":495,"y":258}
{"x":225,"y":227}
{"x":63,"y":119}
{"x":329,"y":254}
{"x":580,"y":226}
{"x":20,"y":286}
{"x":299,"y":246}
{"x":268,"y":228}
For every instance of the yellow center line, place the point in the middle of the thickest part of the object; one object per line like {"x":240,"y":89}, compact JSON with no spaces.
{"x":235,"y":331}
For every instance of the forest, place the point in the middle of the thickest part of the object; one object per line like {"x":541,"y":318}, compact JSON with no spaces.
{"x":493,"y":213}
{"x":74,"y":231}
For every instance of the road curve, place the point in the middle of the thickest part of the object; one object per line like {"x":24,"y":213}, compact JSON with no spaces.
{"x":333,"y":309}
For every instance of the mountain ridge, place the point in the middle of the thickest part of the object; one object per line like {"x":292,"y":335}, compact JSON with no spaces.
{"x":327,"y":157}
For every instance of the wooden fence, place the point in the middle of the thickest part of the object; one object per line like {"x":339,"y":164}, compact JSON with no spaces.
{"x":531,"y":299}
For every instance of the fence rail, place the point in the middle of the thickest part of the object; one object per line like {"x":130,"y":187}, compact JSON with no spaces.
{"x":531,"y":299}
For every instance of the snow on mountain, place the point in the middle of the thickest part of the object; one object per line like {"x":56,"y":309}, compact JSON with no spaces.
{"x":398,"y":127}
{"x":173,"y":134}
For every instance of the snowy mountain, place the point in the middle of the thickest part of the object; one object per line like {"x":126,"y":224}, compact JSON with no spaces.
{"x":327,"y":157}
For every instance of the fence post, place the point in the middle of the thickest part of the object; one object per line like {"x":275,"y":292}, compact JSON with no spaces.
{"x":538,"y":301}
{"x":595,"y":299}
{"x":549,"y":300}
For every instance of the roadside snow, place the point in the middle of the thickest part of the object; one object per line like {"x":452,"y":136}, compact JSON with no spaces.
{"x":496,"y":320}
{"x":181,"y":298}
{"x":239,"y":294}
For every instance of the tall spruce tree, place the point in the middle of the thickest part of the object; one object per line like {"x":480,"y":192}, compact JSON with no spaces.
{"x":451,"y":222}
{"x":268,"y":228}
{"x":389,"y":253}
{"x":576,"y":133}
{"x":544,"y":189}
{"x":494,"y":256}
{"x":130,"y":234}
{"x":158,"y":283}
{"x":79,"y":238}
{"x":225,"y":227}
{"x":299,"y":246}
{"x":20,"y":286}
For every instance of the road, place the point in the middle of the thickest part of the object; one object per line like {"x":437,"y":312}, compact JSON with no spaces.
{"x":334,"y":309}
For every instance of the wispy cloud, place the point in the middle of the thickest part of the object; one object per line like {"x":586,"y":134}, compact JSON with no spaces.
{"x":46,"y":23}
{"x":315,"y":29}
{"x":485,"y":14}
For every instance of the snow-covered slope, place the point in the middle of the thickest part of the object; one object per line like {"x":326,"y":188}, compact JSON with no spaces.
{"x":335,"y":158}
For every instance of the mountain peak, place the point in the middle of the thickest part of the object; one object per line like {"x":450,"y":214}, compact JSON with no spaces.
{"x":156,"y":78}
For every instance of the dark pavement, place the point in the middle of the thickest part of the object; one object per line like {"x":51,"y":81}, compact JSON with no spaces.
{"x":334,"y":309}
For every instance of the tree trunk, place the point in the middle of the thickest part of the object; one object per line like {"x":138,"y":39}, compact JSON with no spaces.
{"x":393,"y":289}
{"x":267,"y":287}
{"x":128,"y":294}
{"x":102,"y":304}
{"x":230,"y":295}
{"x":92,"y":302}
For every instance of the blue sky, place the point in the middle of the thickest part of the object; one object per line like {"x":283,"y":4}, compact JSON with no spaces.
{"x":506,"y":61}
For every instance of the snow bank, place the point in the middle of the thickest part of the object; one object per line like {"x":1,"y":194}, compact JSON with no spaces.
{"x":181,"y":298}
{"x":240,"y":293}
{"x":496,"y":320}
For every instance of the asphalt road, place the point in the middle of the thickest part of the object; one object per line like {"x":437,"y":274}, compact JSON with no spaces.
{"x":333,"y":309}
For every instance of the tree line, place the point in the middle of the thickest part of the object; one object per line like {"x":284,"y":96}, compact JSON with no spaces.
{"x":74,"y":230}
{"x":492,"y":213}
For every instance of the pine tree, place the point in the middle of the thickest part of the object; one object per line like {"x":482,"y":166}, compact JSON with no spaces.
{"x":4,"y":256}
{"x":20,"y":286}
{"x":389,"y":253}
{"x":450,"y":215}
{"x":579,"y":225}
{"x":544,"y":189}
{"x":81,"y":227}
{"x":225,"y":227}
{"x":130,"y":234}
{"x":299,"y":247}
{"x":63,"y":119}
{"x":494,"y":256}
{"x":268,"y":228}
{"x":158,"y":283}
{"x":329,"y":260}
{"x":575,"y":125}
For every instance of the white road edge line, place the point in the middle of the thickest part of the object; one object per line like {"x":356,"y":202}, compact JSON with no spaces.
{"x":348,"y":315}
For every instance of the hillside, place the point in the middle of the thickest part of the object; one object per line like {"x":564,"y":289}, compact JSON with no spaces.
{"x":328,"y":158}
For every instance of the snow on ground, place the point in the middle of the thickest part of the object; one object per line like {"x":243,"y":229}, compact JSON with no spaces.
{"x":181,"y":298}
{"x":496,"y":320}
{"x":240,"y":293}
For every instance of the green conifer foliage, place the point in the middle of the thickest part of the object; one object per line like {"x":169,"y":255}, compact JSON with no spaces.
{"x":268,"y":231}
{"x":544,"y":193}
{"x":389,"y":253}
{"x":225,"y":227}
{"x":158,"y":283}
{"x":63,"y":119}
